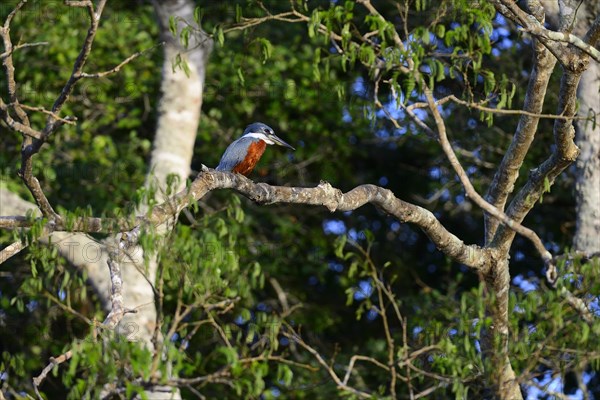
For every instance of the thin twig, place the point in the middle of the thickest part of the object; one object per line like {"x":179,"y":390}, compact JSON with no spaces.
{"x":54,"y":361}
{"x":118,"y":67}
{"x":507,"y":112}
{"x":578,"y":304}
{"x":67,"y":308}
{"x":430,"y":390}
{"x":65,"y":120}
{"x":297,"y":339}
{"x":547,"y":391}
{"x":95,"y":14}
{"x":14,"y":12}
{"x":391,"y":347}
{"x":21,"y":46}
{"x":281,"y":295}
{"x":358,"y":357}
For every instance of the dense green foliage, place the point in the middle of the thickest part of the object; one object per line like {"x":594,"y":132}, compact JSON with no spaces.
{"x":337,"y":269}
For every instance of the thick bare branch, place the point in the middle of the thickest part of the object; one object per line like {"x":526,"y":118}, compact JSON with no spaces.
{"x":542,"y":32}
{"x":32,"y":142}
{"x":117,"y":310}
{"x":32,"y":183}
{"x":322,"y":195}
{"x":116,"y":297}
{"x":11,"y":250}
{"x":553,"y":40}
{"x":472,"y":193}
{"x":79,"y":224}
{"x":116,"y":255}
{"x":508,"y":171}
{"x":9,"y":67}
{"x":542,"y":177}
{"x":16,"y":125}
{"x":334,"y":200}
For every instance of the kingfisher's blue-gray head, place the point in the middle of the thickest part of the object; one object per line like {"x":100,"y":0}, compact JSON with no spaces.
{"x":264,"y":132}
{"x":242,"y":155}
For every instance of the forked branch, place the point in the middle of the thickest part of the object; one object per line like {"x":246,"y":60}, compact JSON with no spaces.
{"x":472,"y":193}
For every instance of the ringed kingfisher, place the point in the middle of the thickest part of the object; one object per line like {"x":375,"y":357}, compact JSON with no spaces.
{"x":242,"y":155}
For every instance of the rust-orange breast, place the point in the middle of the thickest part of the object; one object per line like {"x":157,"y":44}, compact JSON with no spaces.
{"x":255,"y":151}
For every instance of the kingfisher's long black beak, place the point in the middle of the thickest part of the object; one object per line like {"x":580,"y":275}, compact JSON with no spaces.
{"x":280,"y":142}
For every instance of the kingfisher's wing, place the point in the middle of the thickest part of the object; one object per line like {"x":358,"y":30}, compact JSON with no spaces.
{"x":235,"y":154}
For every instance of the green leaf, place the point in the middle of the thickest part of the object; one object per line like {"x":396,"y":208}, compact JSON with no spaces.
{"x":267,"y":49}
{"x":198,"y":14}
{"x":585,"y":332}
{"x":185,"y":36}
{"x":339,"y":245}
{"x":425,"y":36}
{"x":240,"y":75}
{"x":440,"y":31}
{"x":349,"y":296}
{"x":173,"y":25}
{"x":219,"y":35}
{"x":238,"y":13}
{"x":285,"y":374}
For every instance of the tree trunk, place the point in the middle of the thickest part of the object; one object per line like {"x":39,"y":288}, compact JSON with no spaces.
{"x":171,"y":155}
{"x":496,"y":341}
{"x":587,"y":188}
{"x":179,"y":114}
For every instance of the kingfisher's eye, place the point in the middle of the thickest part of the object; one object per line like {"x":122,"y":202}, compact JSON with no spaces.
{"x":268,"y":131}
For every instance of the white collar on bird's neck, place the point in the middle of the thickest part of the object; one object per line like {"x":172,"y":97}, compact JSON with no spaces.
{"x":257,"y":135}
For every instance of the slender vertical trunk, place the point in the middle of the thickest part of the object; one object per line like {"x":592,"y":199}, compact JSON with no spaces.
{"x":500,"y":372}
{"x":587,"y":188}
{"x":179,"y":114}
